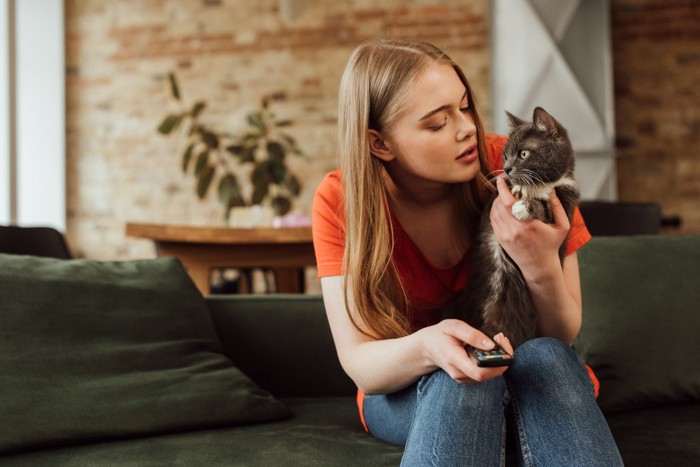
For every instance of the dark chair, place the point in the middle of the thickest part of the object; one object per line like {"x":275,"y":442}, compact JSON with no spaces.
{"x":34,"y":241}
{"x":621,"y":218}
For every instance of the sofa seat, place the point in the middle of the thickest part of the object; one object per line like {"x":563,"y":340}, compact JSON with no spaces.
{"x":322,"y":432}
{"x":327,"y":432}
{"x":658,"y":436}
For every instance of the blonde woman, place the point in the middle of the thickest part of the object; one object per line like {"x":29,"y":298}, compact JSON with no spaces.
{"x":392,"y":232}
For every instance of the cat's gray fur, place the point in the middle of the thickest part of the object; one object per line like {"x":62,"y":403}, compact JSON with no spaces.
{"x":497,"y":298}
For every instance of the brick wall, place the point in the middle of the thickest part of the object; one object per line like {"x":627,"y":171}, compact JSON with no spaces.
{"x":656,"y":53}
{"x":228,"y":52}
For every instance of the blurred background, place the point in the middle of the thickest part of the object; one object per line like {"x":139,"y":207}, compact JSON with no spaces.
{"x":85,"y":85}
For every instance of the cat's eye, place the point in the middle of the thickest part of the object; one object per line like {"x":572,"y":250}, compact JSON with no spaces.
{"x":523,"y":154}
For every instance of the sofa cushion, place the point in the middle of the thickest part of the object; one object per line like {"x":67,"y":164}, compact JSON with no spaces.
{"x":102,"y":350}
{"x":641,"y":313}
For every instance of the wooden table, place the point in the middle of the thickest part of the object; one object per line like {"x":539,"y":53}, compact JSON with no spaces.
{"x":286,"y":251}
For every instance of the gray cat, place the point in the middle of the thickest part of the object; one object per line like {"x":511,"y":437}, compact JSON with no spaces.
{"x":537,"y":158}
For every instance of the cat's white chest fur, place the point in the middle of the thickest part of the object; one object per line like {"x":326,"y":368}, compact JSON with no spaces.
{"x":535,"y":192}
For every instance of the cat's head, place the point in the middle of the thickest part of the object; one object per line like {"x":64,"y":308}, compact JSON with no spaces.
{"x":538,"y":151}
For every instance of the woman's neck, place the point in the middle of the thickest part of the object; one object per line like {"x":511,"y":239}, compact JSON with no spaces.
{"x":419,"y":194}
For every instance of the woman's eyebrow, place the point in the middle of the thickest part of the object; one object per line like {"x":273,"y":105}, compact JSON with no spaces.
{"x":433,"y":112}
{"x":439,"y":109}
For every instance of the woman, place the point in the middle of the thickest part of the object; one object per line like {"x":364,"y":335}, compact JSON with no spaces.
{"x":392,"y":232}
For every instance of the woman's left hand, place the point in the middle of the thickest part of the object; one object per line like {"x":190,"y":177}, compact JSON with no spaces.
{"x":528,"y":243}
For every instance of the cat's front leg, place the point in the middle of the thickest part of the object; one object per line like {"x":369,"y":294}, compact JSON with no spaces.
{"x":521,"y":211}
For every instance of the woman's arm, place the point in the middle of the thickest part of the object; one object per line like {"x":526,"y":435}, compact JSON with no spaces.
{"x":383,"y":366}
{"x":534,"y":246}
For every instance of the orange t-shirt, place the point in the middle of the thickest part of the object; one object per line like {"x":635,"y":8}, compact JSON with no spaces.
{"x":428,"y":287}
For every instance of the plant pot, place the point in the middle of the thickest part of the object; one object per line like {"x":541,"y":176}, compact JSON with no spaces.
{"x":251,"y":216}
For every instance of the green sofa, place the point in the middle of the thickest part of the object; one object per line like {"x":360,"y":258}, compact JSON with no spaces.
{"x":253,"y":380}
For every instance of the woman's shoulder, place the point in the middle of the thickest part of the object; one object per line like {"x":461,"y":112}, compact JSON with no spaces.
{"x":329,"y":195}
{"x":331,"y":185}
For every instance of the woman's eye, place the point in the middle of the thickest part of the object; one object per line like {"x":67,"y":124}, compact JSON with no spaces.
{"x":524,"y":154}
{"x":464,"y":109}
{"x":439,"y":127}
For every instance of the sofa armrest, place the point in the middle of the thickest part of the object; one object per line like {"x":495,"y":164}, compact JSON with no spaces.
{"x":282,"y":342}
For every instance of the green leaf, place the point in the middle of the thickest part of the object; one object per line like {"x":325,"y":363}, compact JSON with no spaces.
{"x":209,"y":138}
{"x":235,"y":149}
{"x":281,"y":205}
{"x":248,"y":155}
{"x":174,"y":88}
{"x":278,"y":172}
{"x":197,"y":109}
{"x":255,"y":119}
{"x":251,"y":139}
{"x":186,"y":157}
{"x":202,"y":162}
{"x":260,"y":191}
{"x":275,"y":152}
{"x":261,"y":174}
{"x":230,"y":192}
{"x":169,"y":123}
{"x":292,"y":184}
{"x":204,"y":181}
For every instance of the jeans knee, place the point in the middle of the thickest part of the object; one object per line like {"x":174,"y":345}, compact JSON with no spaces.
{"x":546,"y":352}
{"x":443,"y":391}
{"x":551,"y":366}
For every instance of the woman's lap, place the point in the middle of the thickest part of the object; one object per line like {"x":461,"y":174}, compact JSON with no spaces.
{"x":443,"y":422}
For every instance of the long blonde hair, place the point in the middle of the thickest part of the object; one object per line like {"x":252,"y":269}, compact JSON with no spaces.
{"x":377,"y":76}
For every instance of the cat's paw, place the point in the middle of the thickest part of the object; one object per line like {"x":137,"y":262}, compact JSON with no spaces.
{"x":520,"y":211}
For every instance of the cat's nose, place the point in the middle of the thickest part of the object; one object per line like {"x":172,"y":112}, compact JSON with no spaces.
{"x":507,"y":170}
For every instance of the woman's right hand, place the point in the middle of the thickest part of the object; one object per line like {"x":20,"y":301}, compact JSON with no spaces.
{"x":444,"y":345}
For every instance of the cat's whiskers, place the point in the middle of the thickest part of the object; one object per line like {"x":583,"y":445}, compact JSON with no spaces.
{"x":531,"y":178}
{"x":493,"y":175}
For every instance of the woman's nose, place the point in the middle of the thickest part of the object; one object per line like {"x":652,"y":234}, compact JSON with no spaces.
{"x":466,"y":128}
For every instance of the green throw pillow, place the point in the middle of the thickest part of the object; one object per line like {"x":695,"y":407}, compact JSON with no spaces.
{"x":641,"y":316}
{"x":93,"y":351}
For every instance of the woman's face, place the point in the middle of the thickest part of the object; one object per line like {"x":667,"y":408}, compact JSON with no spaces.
{"x":434,"y":137}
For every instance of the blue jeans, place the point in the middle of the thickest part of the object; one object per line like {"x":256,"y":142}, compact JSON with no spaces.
{"x":547,"y":392}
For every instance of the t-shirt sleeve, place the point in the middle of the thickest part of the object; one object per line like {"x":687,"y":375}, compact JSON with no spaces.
{"x":494,"y":156}
{"x":578,"y":234}
{"x":328,"y":226}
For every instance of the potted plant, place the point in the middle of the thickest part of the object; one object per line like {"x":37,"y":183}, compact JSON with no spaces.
{"x":213,"y":156}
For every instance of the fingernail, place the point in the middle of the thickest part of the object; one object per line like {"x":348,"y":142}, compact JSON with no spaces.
{"x":487,"y":343}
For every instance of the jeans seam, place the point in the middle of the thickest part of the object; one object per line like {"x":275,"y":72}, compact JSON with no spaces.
{"x":419,"y":393}
{"x":520,"y":427}
{"x":506,"y":402}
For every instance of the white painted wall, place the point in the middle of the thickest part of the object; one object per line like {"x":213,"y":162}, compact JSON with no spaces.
{"x":557,"y":54}
{"x":4,"y":115}
{"x":40,"y":194}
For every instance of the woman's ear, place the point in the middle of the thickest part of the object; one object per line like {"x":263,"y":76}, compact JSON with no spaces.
{"x":378,"y":146}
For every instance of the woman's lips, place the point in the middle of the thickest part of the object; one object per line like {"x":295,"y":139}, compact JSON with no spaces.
{"x":469,"y":155}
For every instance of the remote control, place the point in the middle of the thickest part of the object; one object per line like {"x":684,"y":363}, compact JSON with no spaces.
{"x":494,"y":357}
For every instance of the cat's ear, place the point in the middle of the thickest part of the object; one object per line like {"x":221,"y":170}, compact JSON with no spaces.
{"x":545,"y":122}
{"x":514,"y":121}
